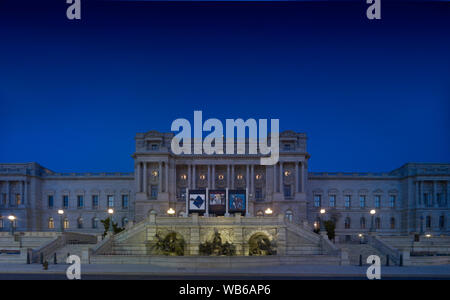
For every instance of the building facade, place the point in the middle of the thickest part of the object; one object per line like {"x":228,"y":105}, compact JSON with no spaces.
{"x":411,"y":199}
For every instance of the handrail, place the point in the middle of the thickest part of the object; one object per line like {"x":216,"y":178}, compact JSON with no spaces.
{"x":384,"y":248}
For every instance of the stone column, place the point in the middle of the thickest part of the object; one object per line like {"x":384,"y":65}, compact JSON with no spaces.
{"x":247,"y":177}
{"x":166,"y":186}
{"x":281,"y":177}
{"x":252,"y":181}
{"x":303,"y":178}
{"x":160,"y":177}
{"x":209,"y":177}
{"x":213,"y":177}
{"x":7,"y":194}
{"x":228,"y":176}
{"x":22,"y":184}
{"x":144,"y":184}
{"x":189,"y":176}
{"x":193,"y":176}
{"x":417,"y":194}
{"x":435,"y":202}
{"x":297,"y":190}
{"x":232,"y":177}
{"x":274,"y":178}
{"x":26,"y":193}
{"x":420,"y":193}
{"x":138,"y":177}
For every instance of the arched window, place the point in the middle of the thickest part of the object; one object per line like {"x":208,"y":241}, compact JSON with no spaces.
{"x":259,"y":213}
{"x":80,"y":223}
{"x":66,"y":223}
{"x":378,"y":223}
{"x":124,"y":222}
{"x":51,"y":223}
{"x":362,"y":222}
{"x":441,"y":222}
{"x":289,"y":215}
{"x":392,"y":223}
{"x":428,"y":222}
{"x":95,"y":223}
{"x":347,"y":223}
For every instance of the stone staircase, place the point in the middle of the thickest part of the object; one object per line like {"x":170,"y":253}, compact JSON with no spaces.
{"x":355,"y":250}
{"x":72,"y":249}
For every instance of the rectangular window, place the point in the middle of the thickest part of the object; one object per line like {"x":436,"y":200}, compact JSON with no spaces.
{"x":287,"y":147}
{"x":439,"y":199}
{"x":80,"y":201}
{"x":347,"y":201}
{"x":258,"y":194}
{"x":392,"y":201}
{"x":154,"y":191}
{"x":50,"y":201}
{"x":287,"y":191}
{"x":124,"y":201}
{"x":317,"y":200}
{"x":377,"y":201}
{"x":66,"y":201}
{"x":332,"y":200}
{"x":110,"y":201}
{"x":155,"y":147}
{"x":18,"y":199}
{"x":362,"y":201}
{"x":94,"y":201}
{"x":4,"y":202}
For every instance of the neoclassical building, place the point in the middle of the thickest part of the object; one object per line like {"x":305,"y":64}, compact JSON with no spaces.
{"x":411,"y":199}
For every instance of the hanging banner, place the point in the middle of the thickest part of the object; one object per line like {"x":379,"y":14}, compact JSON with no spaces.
{"x":197,"y":201}
{"x":217,"y":202}
{"x":237,"y":201}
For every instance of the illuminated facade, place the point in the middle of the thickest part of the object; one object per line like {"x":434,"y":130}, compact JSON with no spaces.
{"x":411,"y":199}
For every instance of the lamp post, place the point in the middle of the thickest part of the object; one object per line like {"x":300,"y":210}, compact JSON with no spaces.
{"x":61,"y":223}
{"x":11,"y":219}
{"x":111,"y":212}
{"x":268,"y":211}
{"x":372,"y":213}
{"x":321,"y":217}
{"x":171,"y":212}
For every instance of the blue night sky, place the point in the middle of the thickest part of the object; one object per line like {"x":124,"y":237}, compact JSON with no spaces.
{"x":371,"y":95}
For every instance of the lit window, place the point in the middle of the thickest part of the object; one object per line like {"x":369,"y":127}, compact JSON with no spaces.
{"x":287,"y":173}
{"x":183,"y":176}
{"x":221,"y":177}
{"x":362,"y":201}
{"x":202,"y":177}
{"x":258,"y":176}
{"x":392,"y":201}
{"x":377,"y":201}
{"x":332,"y":200}
{"x":18,"y":199}
{"x":124,"y":201}
{"x":110,"y":201}
{"x":347,"y":201}
{"x":80,"y":201}
{"x":66,"y":223}
{"x":289,"y":215}
{"x":94,"y":201}
{"x":317,"y":201}
{"x":51,"y":223}
{"x":240,"y":177}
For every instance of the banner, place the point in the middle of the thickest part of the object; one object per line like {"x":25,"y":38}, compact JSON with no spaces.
{"x":237,"y":201}
{"x":217,"y":202}
{"x":197,"y":201}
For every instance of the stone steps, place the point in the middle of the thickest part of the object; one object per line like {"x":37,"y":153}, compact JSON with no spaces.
{"x":355,"y":250}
